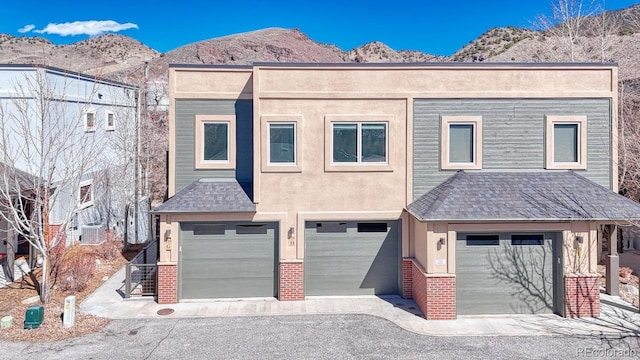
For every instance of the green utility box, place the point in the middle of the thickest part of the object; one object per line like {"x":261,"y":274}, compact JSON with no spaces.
{"x":33,"y":317}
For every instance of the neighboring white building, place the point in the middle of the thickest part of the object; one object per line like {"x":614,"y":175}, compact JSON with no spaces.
{"x":78,"y":133}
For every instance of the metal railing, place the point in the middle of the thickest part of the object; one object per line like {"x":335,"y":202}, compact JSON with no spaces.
{"x":141,"y":272}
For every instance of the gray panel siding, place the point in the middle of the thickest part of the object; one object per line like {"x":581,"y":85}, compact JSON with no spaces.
{"x":186,"y":110}
{"x":505,"y":278}
{"x":513,"y":135}
{"x":352,"y":263}
{"x":227,"y":266}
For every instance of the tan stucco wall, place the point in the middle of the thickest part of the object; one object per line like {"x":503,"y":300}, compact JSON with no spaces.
{"x":312,"y":94}
{"x":577,"y":258}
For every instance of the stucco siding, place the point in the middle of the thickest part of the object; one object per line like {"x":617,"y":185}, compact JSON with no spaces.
{"x":513,"y":135}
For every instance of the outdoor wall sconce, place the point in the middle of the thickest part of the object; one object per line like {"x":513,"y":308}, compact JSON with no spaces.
{"x":167,"y":240}
{"x":579,"y":239}
{"x":442,"y":241}
{"x":291,"y":231}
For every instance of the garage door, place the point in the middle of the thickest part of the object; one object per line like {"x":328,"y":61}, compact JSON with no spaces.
{"x":227,"y":260}
{"x":352,"y":258}
{"x":505,"y":273}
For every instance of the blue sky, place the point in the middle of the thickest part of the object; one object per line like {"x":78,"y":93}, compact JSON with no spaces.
{"x":435,"y":27}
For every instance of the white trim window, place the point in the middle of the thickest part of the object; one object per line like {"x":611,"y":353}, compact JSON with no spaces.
{"x":566,"y":142}
{"x":461,"y":142}
{"x":89,"y":119}
{"x":85,"y":194}
{"x":282,"y":143}
{"x":359,"y":142}
{"x":109,"y":120}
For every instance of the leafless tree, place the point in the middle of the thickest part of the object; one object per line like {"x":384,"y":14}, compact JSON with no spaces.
{"x":42,"y":131}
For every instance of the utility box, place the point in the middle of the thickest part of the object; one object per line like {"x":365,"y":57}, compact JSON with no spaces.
{"x":34,"y":317}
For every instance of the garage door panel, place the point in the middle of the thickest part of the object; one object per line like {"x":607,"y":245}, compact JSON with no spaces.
{"x":503,"y":277}
{"x":351,"y":263}
{"x":227,"y":264}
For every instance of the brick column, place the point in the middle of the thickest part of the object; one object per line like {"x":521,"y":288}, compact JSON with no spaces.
{"x":167,"y":283}
{"x":291,"y":281}
{"x":581,"y":296}
{"x":435,"y":294}
{"x":407,"y":278}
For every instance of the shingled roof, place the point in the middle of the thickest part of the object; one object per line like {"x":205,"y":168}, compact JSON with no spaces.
{"x":209,"y":195}
{"x":522,"y":196}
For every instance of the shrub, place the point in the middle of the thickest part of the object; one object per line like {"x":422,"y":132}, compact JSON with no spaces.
{"x":110,"y":248}
{"x":76,"y":268}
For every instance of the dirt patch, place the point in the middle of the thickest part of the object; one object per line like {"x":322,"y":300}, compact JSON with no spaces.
{"x":13,"y":296}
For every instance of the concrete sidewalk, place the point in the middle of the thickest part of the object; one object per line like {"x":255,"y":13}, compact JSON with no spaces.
{"x":615,"y":320}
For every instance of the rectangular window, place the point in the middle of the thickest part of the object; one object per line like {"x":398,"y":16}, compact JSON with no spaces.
{"x":110,"y":122}
{"x":461,"y":142}
{"x":533,"y":239}
{"x":208,"y":229}
{"x":331,"y":227}
{"x":566,"y":142}
{"x":215,"y":142}
{"x":282,"y":145}
{"x":90,"y":121}
{"x":359,"y":142}
{"x":251,"y":229}
{"x":372,"y":227}
{"x":85,"y":194}
{"x":483,"y":240}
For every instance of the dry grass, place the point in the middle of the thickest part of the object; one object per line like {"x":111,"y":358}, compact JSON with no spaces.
{"x":12,"y":297}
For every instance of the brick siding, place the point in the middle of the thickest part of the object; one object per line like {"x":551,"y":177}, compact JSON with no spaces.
{"x":581,"y":296}
{"x":407,"y":278}
{"x":435,"y":295}
{"x":167,"y":284}
{"x":291,"y":281}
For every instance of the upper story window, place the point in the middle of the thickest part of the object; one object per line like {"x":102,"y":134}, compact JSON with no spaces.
{"x":461,"y":142}
{"x":566,"y":142}
{"x":215,"y":142}
{"x":363,"y":142}
{"x":282,"y":143}
{"x":90,"y":121}
{"x":110,"y":120}
{"x":85,"y":194}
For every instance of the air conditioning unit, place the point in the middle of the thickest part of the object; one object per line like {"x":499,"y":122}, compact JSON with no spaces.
{"x":91,"y":234}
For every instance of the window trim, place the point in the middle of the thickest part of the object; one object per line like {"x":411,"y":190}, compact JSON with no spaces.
{"x":359,"y":119}
{"x":200,"y":121}
{"x":476,"y":122}
{"x":106,"y":120}
{"x":581,"y":121}
{"x":85,"y":118}
{"x":265,"y":122}
{"x":85,"y":204}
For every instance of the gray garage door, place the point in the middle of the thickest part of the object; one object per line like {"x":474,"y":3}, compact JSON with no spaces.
{"x":227,"y":260}
{"x":505,"y":273}
{"x":352,"y":258}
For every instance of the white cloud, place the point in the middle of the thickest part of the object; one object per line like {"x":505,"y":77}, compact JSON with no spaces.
{"x":91,"y":28}
{"x":26,"y":28}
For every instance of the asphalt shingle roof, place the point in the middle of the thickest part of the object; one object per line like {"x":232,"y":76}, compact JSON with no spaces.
{"x":209,"y":195}
{"x":522,"y":196}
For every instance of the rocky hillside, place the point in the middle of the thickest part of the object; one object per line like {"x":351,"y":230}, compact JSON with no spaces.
{"x":123,"y":58}
{"x":97,"y":56}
